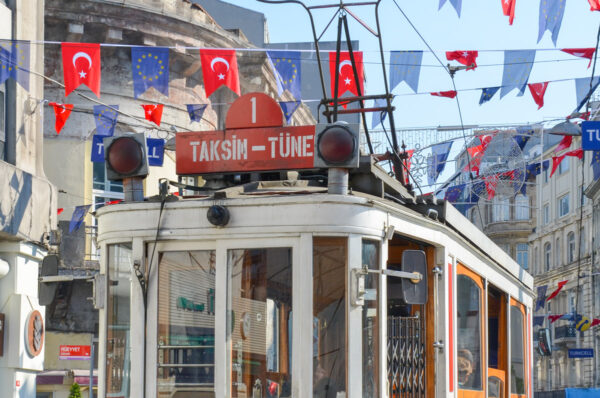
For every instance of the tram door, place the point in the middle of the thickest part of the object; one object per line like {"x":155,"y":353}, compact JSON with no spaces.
{"x":410,"y":331}
{"x":497,"y":342}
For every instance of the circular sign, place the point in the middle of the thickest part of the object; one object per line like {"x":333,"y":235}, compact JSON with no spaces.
{"x":254,"y":110}
{"x":34,"y":338}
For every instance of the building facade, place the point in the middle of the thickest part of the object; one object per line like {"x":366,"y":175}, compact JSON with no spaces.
{"x":27,"y":202}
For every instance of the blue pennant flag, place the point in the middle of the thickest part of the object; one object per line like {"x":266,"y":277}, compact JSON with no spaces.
{"x":78,"y":217}
{"x":596,"y":164}
{"x":551,"y":15}
{"x":106,"y":119}
{"x":582,"y":87}
{"x":97,"y":148}
{"x":150,"y":68}
{"x":541,"y":297}
{"x":405,"y":66}
{"x":379,"y":116}
{"x":14,"y":62}
{"x":156,"y":151}
{"x":487,"y":94}
{"x":288,"y":108}
{"x":524,"y":133}
{"x":287,"y":68}
{"x":518,"y":177}
{"x":196,"y":111}
{"x":517,"y":68}
{"x":454,"y":193}
{"x":538,"y":320}
{"x":457,"y":4}
{"x":436,"y":162}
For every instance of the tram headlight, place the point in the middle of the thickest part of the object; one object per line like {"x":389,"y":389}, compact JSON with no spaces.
{"x":126,"y":156}
{"x":336,"y":145}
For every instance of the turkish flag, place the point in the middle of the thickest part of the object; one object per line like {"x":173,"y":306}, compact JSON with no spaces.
{"x":464,"y":57}
{"x":576,"y":152}
{"x":153,"y":113}
{"x":491,"y":182}
{"x":219,"y":67}
{"x":346,"y":81}
{"x":554,"y":318}
{"x":406,"y":168}
{"x":564,"y":143}
{"x":594,"y":5}
{"x":447,"y":94}
{"x":561,"y":284}
{"x":60,"y":210}
{"x":476,"y":154}
{"x":62,"y":113}
{"x":581,"y":52}
{"x":555,"y":162}
{"x":508,"y":8}
{"x":595,"y":322}
{"x":537,"y":92}
{"x":81,"y":65}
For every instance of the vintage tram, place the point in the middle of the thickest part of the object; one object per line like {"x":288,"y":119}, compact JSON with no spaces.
{"x":297,"y":287}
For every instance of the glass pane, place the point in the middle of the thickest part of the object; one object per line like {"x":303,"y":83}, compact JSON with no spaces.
{"x":469,"y":333}
{"x":517,"y":351}
{"x":329,"y":317}
{"x":99,"y":175}
{"x":260,"y":308}
{"x":186,"y":324}
{"x":118,"y":320}
{"x":370,"y":318}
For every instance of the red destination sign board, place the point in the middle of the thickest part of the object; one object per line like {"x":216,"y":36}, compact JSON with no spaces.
{"x":82,"y":352}
{"x":254,"y":140}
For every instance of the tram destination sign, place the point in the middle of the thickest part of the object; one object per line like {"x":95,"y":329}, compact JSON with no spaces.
{"x":581,"y":353}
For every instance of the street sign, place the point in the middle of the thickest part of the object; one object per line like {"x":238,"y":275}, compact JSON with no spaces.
{"x":590,"y":136}
{"x":581,"y":353}
{"x":80,"y":352}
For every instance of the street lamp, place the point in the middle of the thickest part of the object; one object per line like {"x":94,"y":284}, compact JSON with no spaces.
{"x":566,"y":128}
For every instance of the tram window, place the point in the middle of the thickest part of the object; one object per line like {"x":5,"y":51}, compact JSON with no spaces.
{"x":329,"y":312}
{"x":260,"y":308}
{"x":118,"y":317}
{"x":186,"y":323}
{"x":517,"y":351}
{"x":469,"y":333}
{"x":370,"y":319}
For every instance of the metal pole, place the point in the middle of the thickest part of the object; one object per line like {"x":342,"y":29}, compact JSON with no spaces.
{"x":91,"y":381}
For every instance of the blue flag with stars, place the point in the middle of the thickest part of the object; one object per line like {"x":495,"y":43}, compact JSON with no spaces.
{"x":150,"y":68}
{"x":156,"y":151}
{"x":106,"y":119}
{"x":454,"y":193}
{"x":288,"y":108}
{"x":517,"y":68}
{"x":78,"y":217}
{"x":582,"y":88}
{"x":436,"y":162}
{"x":457,"y":4}
{"x":523,"y":135}
{"x":541,"y":297}
{"x":596,"y":164}
{"x":538,"y":320}
{"x":14,"y":62}
{"x":487,"y":94}
{"x":379,"y":117}
{"x":518,"y":177}
{"x":551,"y":15}
{"x":287,"y":68}
{"x":196,"y":111}
{"x":97,"y":149}
{"x":405,"y":66}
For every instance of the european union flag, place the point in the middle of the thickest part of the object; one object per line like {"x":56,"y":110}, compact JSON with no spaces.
{"x":150,"y":68}
{"x":288,"y":108}
{"x":97,"y":149}
{"x":436,"y":162}
{"x":405,"y":66}
{"x":538,"y":320}
{"x":106,"y":119}
{"x":541,"y":297}
{"x":287,"y":66}
{"x":156,"y":151}
{"x":517,"y":68}
{"x":454,"y":193}
{"x":551,"y":15}
{"x":596,"y":164}
{"x":582,"y":87}
{"x":487,"y":94}
{"x":518,"y":177}
{"x":457,"y":4}
{"x":78,"y":217}
{"x":523,"y":135}
{"x":379,"y":117}
{"x":196,"y":111}
{"x":14,"y":62}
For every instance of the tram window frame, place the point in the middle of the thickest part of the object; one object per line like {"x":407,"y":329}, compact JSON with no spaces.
{"x":523,"y":349}
{"x":463,"y":274}
{"x":371,"y":257}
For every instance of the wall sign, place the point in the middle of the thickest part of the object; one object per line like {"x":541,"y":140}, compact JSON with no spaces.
{"x":581,"y":353}
{"x":81,"y":352}
{"x":34,"y":337}
{"x":590,"y":136}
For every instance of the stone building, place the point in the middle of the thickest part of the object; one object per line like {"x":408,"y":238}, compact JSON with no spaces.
{"x":27,"y":204}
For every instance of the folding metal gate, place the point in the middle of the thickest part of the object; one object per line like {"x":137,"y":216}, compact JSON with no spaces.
{"x":406,"y":357}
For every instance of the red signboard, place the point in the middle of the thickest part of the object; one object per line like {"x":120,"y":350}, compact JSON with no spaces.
{"x":83,"y":352}
{"x":275,"y":148}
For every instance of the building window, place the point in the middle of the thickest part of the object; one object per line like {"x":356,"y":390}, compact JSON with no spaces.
{"x":546,"y":175}
{"x":522,"y":256}
{"x":521,"y":207}
{"x":547,"y":254}
{"x":101,"y":183}
{"x":563,"y":205}
{"x":500,"y":210}
{"x":563,"y":166}
{"x":546,"y":213}
{"x":557,"y":253}
{"x":571,"y":247}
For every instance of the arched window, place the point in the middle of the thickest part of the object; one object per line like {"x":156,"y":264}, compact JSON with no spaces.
{"x":521,"y":207}
{"x":571,"y":247}
{"x":547,"y":253}
{"x":500,"y":210}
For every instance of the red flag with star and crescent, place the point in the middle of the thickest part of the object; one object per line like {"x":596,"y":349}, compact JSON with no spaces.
{"x":81,"y":65}
{"x":594,"y":5}
{"x":347,"y":82}
{"x":508,"y":8}
{"x":62,"y":113}
{"x":447,"y":94}
{"x":581,"y":52}
{"x":537,"y":92}
{"x":467,"y":58}
{"x":219,"y":68}
{"x":153,"y":113}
